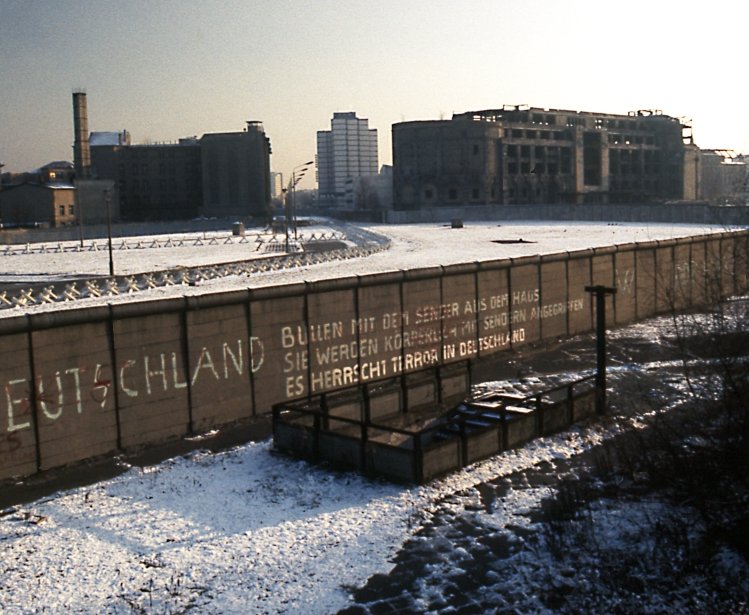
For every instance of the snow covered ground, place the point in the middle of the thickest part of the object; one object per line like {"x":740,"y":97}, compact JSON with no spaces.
{"x":411,"y":246}
{"x":243,"y":531}
{"x":249,"y":531}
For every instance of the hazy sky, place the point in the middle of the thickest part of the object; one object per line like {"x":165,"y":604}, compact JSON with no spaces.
{"x":165,"y":69}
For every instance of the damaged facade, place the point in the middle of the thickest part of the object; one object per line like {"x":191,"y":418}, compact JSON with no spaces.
{"x":518,"y":154}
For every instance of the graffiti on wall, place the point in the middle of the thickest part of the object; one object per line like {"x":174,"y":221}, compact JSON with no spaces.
{"x":339,"y":353}
{"x":302,"y":344}
{"x":81,"y":388}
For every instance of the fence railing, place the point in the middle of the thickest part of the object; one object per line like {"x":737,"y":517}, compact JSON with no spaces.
{"x":427,"y":446}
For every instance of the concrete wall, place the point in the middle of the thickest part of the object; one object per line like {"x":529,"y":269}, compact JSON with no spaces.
{"x":84,"y":382}
{"x":690,"y":213}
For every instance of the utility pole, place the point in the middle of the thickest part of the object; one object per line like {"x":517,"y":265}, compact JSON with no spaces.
{"x":109,"y":231}
{"x":600,"y":293}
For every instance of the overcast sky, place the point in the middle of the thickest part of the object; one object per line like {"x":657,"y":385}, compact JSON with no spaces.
{"x":164,"y":69}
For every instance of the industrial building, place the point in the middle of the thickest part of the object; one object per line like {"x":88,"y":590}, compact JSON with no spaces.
{"x":345,"y":152}
{"x":154,"y":182}
{"x":236,"y":173}
{"x":217,"y":175}
{"x":520,"y":154}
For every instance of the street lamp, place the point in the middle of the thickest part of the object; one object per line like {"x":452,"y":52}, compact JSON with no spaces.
{"x":109,"y":231}
{"x":295,"y":179}
{"x":287,"y":214}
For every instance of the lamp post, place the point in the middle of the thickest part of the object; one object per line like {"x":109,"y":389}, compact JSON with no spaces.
{"x":287,"y":214}
{"x":109,"y":231}
{"x":295,"y":179}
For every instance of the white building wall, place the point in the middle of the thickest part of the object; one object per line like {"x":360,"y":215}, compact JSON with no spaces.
{"x":347,"y":151}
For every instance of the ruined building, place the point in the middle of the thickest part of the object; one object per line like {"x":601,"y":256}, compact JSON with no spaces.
{"x":518,"y":154}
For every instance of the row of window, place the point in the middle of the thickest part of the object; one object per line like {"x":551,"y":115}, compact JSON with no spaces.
{"x":61,"y":210}
{"x":163,"y":169}
{"x":619,"y":139}
{"x":538,"y":151}
{"x":549,"y":135}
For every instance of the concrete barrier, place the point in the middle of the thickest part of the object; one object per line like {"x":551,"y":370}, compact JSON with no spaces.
{"x":84,"y":382}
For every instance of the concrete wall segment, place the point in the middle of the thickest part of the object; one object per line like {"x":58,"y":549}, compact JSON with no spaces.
{"x":422,"y":273}
{"x":279,"y":323}
{"x":278,"y":292}
{"x":525,"y":297}
{"x":319,"y":286}
{"x":152,"y":378}
{"x":18,"y":423}
{"x":61,"y":318}
{"x":504,"y":263}
{"x":460,"y":312}
{"x":147,"y":308}
{"x":221,"y":360}
{"x":460,"y":268}
{"x":388,"y":277}
{"x":645,"y":280}
{"x":15,"y":324}
{"x":198,"y":302}
{"x":74,"y":393}
{"x":556,"y":304}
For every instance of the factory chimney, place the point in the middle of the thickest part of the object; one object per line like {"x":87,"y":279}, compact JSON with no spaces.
{"x":81,"y":148}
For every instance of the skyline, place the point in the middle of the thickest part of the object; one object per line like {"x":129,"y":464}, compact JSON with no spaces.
{"x":165,"y":70}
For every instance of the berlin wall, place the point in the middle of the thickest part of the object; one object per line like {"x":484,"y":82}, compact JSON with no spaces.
{"x":84,"y":382}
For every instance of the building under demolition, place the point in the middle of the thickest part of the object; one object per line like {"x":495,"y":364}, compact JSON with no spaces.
{"x":519,"y":154}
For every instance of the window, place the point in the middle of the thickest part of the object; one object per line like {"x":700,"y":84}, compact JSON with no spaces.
{"x":62,"y":210}
{"x":71,"y":210}
{"x":452,"y":194}
{"x":475,"y":150}
{"x":475,"y":193}
{"x":428,"y":194}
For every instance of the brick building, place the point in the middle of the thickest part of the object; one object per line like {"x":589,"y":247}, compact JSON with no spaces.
{"x":38,"y":205}
{"x":530,"y":155}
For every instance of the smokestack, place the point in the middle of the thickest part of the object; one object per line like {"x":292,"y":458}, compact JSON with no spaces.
{"x":81,"y":148}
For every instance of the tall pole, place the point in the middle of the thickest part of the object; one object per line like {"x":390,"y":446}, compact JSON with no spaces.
{"x":287,"y":213}
{"x":109,"y":232}
{"x":600,"y":293}
{"x":302,"y":168}
{"x":79,"y":207}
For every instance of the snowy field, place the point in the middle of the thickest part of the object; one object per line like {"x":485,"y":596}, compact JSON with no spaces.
{"x":412,"y":246}
{"x":250,"y":531}
{"x":244,"y":531}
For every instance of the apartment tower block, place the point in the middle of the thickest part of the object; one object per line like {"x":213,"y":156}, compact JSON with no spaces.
{"x":347,"y":151}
